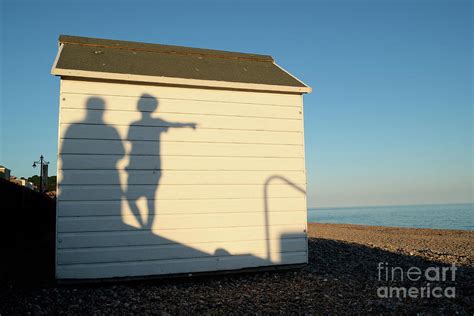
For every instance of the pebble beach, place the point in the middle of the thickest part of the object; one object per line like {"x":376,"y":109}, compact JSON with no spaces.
{"x":341,"y":277}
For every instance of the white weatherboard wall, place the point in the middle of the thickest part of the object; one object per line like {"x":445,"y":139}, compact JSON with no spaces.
{"x":231,"y":192}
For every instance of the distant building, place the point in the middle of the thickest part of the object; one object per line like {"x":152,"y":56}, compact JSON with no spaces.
{"x":26,"y":183}
{"x":15,"y":180}
{"x":4,"y":173}
{"x":23,"y":182}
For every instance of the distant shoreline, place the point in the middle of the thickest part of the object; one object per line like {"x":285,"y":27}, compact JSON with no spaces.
{"x":432,"y":216}
{"x":385,"y":205}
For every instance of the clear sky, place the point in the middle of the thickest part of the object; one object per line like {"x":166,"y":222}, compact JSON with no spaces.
{"x":390,"y":119}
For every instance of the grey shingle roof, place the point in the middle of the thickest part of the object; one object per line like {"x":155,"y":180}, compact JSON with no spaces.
{"x":133,"y":58}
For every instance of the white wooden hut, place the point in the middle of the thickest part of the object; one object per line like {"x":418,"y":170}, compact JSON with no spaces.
{"x":176,"y":160}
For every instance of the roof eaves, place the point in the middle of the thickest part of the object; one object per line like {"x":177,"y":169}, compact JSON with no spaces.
{"x":304,"y":84}
{"x":179,"y":81}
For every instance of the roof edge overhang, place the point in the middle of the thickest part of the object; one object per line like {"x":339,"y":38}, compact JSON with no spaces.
{"x":175,"y":81}
{"x":178,"y":81}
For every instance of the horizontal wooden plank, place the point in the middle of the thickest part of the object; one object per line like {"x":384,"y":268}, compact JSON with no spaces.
{"x":105,"y":162}
{"x":165,"y":92}
{"x":167,"y":105}
{"x":196,"y":206}
{"x":169,"y":191}
{"x":77,"y":177}
{"x":157,"y":267}
{"x":91,"y":131}
{"x":163,"y":149}
{"x":180,"y":236}
{"x":170,"y":120}
{"x":178,"y":251}
{"x":176,"y":221}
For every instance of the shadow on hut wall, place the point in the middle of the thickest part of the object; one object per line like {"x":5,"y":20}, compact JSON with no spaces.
{"x":266,"y":207}
{"x":129,"y":175}
{"x":100,"y":180}
{"x":146,"y":106}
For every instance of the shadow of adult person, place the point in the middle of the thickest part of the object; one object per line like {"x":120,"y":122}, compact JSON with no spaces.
{"x":147,"y":104}
{"x":92,"y":126}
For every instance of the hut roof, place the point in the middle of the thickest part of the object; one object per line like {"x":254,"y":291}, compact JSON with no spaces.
{"x":143,"y":62}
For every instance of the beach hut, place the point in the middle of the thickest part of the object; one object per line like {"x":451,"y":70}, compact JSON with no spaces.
{"x":176,"y":160}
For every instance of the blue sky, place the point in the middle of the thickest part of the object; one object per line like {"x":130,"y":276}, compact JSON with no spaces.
{"x":390,"y":120}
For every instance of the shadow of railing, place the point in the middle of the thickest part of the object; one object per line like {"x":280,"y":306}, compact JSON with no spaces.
{"x":266,"y":208}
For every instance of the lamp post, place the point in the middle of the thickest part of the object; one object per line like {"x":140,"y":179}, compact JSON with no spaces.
{"x":42,"y":163}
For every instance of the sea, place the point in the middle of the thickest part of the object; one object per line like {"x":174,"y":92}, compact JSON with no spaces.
{"x":442,"y":216}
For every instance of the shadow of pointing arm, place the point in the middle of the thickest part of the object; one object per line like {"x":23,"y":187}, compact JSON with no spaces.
{"x":265,"y":195}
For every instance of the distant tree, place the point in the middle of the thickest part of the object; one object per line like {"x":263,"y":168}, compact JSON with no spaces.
{"x":35,"y":180}
{"x":50,"y":184}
